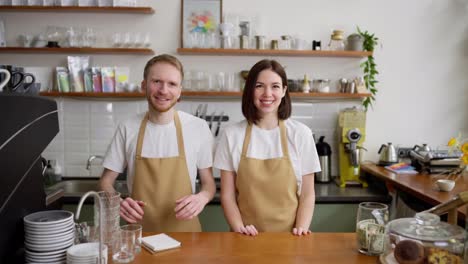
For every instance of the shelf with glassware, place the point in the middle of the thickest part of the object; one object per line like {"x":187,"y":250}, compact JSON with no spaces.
{"x":132,"y":51}
{"x":206,"y":94}
{"x":269,"y":52}
{"x":84,"y":9}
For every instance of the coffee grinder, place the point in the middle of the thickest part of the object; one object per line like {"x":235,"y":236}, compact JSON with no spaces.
{"x":352,"y":133}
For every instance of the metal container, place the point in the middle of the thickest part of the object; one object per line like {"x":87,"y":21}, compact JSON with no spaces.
{"x":324,"y":153}
{"x":260,"y":42}
{"x":244,"y":42}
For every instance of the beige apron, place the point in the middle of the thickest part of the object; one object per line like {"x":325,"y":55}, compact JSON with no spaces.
{"x":159,"y":182}
{"x":267,"y":189}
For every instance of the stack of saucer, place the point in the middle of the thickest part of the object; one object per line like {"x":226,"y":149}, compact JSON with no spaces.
{"x":48,"y":235}
{"x":86,"y":253}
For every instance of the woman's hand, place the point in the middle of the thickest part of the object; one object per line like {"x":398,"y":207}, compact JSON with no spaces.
{"x":131,"y":210}
{"x":190,"y":206}
{"x":249,"y":230}
{"x":299,"y":231}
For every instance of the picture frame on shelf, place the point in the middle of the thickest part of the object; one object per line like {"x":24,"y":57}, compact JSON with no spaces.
{"x":199,"y":19}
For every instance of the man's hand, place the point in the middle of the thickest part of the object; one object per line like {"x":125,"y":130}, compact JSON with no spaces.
{"x":249,"y":230}
{"x":131,"y":210}
{"x":299,"y":231}
{"x":190,"y":206}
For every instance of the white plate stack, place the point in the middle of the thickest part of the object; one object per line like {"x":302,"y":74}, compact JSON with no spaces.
{"x":86,"y":253}
{"x":48,"y":235}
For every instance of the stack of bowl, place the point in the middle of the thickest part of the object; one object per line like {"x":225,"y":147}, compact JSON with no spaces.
{"x":48,"y":235}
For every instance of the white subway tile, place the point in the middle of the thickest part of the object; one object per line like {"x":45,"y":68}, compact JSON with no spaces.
{"x":77,"y":146}
{"x":103,"y":133}
{"x":102,"y":108}
{"x":76,"y":171}
{"x":102,"y":120}
{"x":76,"y":159}
{"x":99,"y":147}
{"x":77,"y":132}
{"x":76,"y":119}
{"x":126,"y":107}
{"x":77,"y":107}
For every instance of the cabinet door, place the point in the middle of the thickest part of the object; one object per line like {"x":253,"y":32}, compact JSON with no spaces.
{"x":212,"y":219}
{"x":334,"y":218}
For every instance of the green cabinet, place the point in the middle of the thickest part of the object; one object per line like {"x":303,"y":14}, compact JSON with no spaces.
{"x":212,"y":219}
{"x":334,"y":218}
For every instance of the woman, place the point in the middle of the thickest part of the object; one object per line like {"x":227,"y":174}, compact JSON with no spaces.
{"x":267,"y":161}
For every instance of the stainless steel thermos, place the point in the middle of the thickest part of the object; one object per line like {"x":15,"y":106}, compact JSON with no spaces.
{"x":324,"y":153}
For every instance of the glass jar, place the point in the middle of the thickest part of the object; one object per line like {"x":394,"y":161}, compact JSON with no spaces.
{"x":336,"y":41}
{"x":423,"y":239}
{"x":370,"y":227}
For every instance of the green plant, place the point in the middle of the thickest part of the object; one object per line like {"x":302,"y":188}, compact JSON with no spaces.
{"x":369,"y":67}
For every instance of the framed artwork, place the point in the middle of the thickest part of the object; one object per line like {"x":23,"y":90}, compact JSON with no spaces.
{"x":203,"y":16}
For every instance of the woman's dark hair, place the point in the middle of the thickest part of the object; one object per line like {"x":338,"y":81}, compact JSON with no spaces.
{"x":249,"y":110}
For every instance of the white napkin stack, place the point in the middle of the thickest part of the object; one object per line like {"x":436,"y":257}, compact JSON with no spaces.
{"x":160,"y":242}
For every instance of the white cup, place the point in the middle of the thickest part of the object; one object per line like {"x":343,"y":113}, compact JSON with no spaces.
{"x":445,"y":185}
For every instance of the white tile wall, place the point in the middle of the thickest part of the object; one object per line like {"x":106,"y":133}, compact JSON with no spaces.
{"x":87,"y":127}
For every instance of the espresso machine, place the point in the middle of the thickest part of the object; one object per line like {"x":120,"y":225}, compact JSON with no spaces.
{"x":352,"y":133}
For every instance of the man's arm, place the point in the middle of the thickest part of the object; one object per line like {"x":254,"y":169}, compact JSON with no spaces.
{"x":306,"y":206}
{"x":130,"y":210}
{"x":190,"y":206}
{"x":106,"y":183}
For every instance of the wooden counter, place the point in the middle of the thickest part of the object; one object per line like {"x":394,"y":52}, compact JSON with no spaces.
{"x":229,"y":247}
{"x":421,"y":186}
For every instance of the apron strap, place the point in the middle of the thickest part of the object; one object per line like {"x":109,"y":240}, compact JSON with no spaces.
{"x":284,"y":139}
{"x":248,"y":133}
{"x":180,"y":138}
{"x":283,"y":136}
{"x":141,"y":135}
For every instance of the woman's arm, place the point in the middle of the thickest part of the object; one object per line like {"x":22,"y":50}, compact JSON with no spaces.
{"x":306,"y":206}
{"x":229,"y":203}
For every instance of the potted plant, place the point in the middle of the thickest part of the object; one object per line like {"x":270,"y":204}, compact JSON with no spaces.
{"x":369,"y":66}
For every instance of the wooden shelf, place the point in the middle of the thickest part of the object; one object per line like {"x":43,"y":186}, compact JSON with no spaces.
{"x":201,"y":94}
{"x":84,"y":9}
{"x":293,"y":53}
{"x":133,"y":51}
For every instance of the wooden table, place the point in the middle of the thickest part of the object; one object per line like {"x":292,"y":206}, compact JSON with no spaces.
{"x":421,"y":186}
{"x":229,"y":247}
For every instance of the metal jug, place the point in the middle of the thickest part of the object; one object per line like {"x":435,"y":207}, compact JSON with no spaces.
{"x":324,"y":153}
{"x":388,"y":154}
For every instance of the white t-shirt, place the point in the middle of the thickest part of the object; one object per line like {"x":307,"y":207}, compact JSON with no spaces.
{"x":266,"y":144}
{"x":160,"y":141}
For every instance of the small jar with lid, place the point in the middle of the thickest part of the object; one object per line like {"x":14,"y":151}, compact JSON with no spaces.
{"x":336,"y":40}
{"x":423,"y":239}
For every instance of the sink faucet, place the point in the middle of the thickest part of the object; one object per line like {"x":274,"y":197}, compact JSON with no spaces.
{"x":101,"y":221}
{"x":91,"y":158}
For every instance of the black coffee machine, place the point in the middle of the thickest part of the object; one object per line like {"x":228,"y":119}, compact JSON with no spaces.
{"x":28,"y":124}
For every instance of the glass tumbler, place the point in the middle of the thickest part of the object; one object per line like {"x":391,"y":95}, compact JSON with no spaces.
{"x":124,"y":247}
{"x":136,"y":230}
{"x":370,"y":227}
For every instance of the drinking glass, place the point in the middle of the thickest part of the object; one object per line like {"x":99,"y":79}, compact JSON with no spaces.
{"x":124,"y":247}
{"x":136,"y":230}
{"x":370,"y":227}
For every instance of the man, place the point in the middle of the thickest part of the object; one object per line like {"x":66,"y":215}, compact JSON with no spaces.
{"x":163,"y":150}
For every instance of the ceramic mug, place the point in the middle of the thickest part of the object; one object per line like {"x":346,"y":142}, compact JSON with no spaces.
{"x":5,"y":79}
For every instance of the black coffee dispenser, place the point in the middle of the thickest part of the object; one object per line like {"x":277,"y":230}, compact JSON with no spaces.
{"x":28,"y":125}
{"x":324,"y":152}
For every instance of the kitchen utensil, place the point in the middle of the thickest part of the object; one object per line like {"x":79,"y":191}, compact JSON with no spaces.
{"x":423,"y":148}
{"x":324,"y":153}
{"x":210,"y":124}
{"x":219,"y":123}
{"x":5,"y":79}
{"x":370,"y":227}
{"x":425,"y":237}
{"x":388,"y":154}
{"x":198,"y":110}
{"x":203,"y":111}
